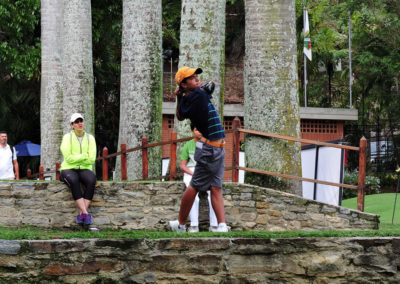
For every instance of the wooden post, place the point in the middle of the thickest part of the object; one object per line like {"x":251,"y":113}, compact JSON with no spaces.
{"x":145,"y":160}
{"x":236,"y":149}
{"x":57,"y":170}
{"x":41,"y":174}
{"x":28,"y":173}
{"x":124,"y":174}
{"x":172,"y":164}
{"x":105,"y":164}
{"x":361,"y":174}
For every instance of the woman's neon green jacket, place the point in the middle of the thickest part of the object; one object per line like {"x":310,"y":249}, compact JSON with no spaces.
{"x":78,"y":155}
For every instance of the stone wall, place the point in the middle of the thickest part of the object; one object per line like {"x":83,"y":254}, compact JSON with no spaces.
{"x":151,"y":205}
{"x":207,"y":260}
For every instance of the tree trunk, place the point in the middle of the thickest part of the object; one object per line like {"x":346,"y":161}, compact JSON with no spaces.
{"x":271,"y":91}
{"x":51,"y":92}
{"x":202,"y":44}
{"x":78,"y":95}
{"x":141,"y":83}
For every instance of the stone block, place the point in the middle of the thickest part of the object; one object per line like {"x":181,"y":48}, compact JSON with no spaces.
{"x":8,"y":212}
{"x":263,"y":204}
{"x":203,"y":264}
{"x":262,"y":219}
{"x":5,"y":186}
{"x":328,"y":209}
{"x":245,"y":196}
{"x":9,"y":247}
{"x":248,"y":217}
{"x":250,"y":225}
{"x":249,"y":203}
{"x":58,"y":268}
{"x":57,"y":187}
{"x":274,"y":213}
{"x":7,"y":202}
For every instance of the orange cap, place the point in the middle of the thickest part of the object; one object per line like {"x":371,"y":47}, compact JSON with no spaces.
{"x":185,"y":72}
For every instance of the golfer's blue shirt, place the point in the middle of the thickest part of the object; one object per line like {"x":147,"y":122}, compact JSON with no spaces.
{"x":197,"y":107}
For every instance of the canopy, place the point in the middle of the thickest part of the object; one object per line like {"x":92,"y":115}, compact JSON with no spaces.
{"x":27,"y":148}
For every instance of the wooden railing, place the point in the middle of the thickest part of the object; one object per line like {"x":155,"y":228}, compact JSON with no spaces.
{"x":362,"y":161}
{"x":173,"y":175}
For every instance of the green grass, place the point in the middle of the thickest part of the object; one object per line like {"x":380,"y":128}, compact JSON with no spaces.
{"x":381,"y":204}
{"x":32,"y":233}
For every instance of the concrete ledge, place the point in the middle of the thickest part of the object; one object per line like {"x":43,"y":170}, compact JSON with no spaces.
{"x":205,"y":260}
{"x":149,"y":206}
{"x":305,"y":112}
{"x":328,"y":113}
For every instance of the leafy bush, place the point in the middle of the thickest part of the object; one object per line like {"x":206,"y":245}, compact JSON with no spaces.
{"x":372,"y":184}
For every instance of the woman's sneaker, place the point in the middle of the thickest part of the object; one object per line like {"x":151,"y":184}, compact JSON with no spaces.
{"x":222,"y":228}
{"x":213,"y":228}
{"x":80,"y":219}
{"x":88,"y":219}
{"x":176,"y":227}
{"x":193,"y":229}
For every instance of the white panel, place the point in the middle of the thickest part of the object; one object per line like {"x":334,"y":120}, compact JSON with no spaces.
{"x":241,"y":164}
{"x":165,"y":164}
{"x":329,"y":170}
{"x":308,"y":169}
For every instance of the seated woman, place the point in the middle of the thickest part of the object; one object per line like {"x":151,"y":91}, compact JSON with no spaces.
{"x":79,"y":151}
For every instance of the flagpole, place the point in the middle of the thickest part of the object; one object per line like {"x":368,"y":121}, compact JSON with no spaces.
{"x":350,"y":69}
{"x":305,"y":58}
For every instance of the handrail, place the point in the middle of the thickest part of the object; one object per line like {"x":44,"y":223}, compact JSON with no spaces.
{"x":298,"y":178}
{"x":289,"y":138}
{"x":362,"y":161}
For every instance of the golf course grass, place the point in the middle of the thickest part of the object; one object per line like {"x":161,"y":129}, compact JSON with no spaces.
{"x":380,"y":204}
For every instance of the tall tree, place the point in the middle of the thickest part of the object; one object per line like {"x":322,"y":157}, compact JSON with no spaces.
{"x":271,"y":98}
{"x":78,"y":93}
{"x":202,"y":44}
{"x":51,"y":98}
{"x":141,"y":82}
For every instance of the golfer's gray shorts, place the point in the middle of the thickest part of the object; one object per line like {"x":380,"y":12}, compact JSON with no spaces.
{"x":210,"y":166}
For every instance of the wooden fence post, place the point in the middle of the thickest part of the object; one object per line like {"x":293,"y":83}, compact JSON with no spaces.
{"x":361,"y":174}
{"x":172,"y":164}
{"x":145,"y":159}
{"x":124,"y":175}
{"x":105,"y":164}
{"x":57,"y":170}
{"x":236,"y":149}
{"x":41,"y":174}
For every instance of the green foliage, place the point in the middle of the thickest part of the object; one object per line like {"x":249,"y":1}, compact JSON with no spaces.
{"x":20,"y":39}
{"x":171,"y":17}
{"x":373,"y":184}
{"x":107,"y":34}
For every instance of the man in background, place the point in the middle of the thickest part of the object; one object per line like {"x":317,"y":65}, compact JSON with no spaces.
{"x":8,"y":159}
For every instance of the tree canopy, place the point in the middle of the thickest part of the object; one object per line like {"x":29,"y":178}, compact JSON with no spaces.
{"x":375,"y":50}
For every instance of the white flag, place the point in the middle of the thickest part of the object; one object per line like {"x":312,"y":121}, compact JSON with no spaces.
{"x":307,"y":38}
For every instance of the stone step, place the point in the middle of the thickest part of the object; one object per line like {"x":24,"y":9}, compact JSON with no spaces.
{"x":149,"y":206}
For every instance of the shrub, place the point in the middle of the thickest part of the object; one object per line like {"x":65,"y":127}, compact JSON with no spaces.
{"x":372,"y":184}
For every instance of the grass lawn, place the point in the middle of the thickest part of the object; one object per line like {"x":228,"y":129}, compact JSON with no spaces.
{"x":381,"y":204}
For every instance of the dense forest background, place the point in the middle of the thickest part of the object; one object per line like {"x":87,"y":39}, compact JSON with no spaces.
{"x":375,"y":28}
